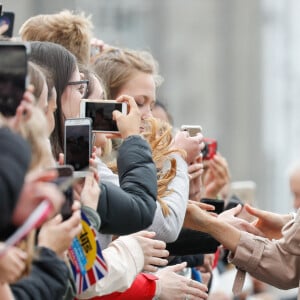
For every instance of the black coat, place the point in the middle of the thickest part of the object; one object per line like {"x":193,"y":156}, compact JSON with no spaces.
{"x":193,"y":242}
{"x":47,"y":279}
{"x":15,"y":157}
{"x":130,"y":207}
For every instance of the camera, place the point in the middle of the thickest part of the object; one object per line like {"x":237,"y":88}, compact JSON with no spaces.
{"x":210,"y":148}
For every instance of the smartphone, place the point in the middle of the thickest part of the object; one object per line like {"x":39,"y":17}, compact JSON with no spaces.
{"x":8,"y":18}
{"x":65,"y":173}
{"x":193,"y":130}
{"x":78,"y":144}
{"x":210,"y":148}
{"x":13,"y":75}
{"x":100,"y":112}
{"x":218,"y":204}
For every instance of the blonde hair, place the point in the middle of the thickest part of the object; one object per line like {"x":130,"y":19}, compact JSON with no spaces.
{"x":34,"y":130}
{"x":158,"y":133}
{"x":37,"y":79}
{"x":73,"y":31}
{"x":116,"y":66}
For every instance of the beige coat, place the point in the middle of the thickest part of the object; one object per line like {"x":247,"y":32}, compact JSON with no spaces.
{"x":275,"y":262}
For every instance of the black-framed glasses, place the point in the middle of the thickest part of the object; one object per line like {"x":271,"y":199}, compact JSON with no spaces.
{"x":83,"y":86}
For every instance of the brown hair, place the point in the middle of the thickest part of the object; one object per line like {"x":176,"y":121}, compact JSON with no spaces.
{"x":73,"y":31}
{"x":115,"y":66}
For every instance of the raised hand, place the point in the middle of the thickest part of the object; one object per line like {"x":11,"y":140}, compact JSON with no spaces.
{"x":154,"y":250}
{"x":268,"y":223}
{"x":192,"y":145}
{"x":216,"y":176}
{"x":12,"y":265}
{"x":128,"y":124}
{"x":58,"y":235}
{"x":177,"y":287}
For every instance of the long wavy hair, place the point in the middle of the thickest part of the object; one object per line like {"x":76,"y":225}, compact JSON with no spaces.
{"x":158,"y":133}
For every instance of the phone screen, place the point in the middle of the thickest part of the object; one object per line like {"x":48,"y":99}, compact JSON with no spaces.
{"x":77,"y":145}
{"x":101,"y":115}
{"x":65,"y":172}
{"x":13,"y":73}
{"x":7,"y":18}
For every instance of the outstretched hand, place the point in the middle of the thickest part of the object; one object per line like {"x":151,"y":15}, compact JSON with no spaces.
{"x":270,"y":224}
{"x":154,"y":250}
{"x":230,"y":216}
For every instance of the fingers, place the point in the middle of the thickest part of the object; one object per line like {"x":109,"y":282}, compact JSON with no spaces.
{"x":252,"y":229}
{"x":177,"y":268}
{"x":195,"y":170}
{"x":253,"y":211}
{"x":202,"y":205}
{"x":61,"y":158}
{"x":76,"y":206}
{"x":145,"y":233}
{"x":45,"y":176}
{"x":154,"y":262}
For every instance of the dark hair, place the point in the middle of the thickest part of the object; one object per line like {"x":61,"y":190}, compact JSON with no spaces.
{"x":62,"y":64}
{"x":91,"y":76}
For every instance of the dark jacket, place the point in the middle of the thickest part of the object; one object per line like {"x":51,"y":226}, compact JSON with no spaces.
{"x":47,"y":279}
{"x":130,"y":207}
{"x":15,"y":157}
{"x":194,"y":260}
{"x":193,"y":242}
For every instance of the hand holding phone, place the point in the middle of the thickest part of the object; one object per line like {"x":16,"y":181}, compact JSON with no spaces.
{"x":100,"y":112}
{"x":7,"y":19}
{"x":218,"y":204}
{"x":210,"y":148}
{"x":193,"y":130}
{"x":64,"y":182}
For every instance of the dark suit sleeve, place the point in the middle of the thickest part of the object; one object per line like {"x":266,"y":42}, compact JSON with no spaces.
{"x":194,"y":260}
{"x":130,"y":207}
{"x":193,"y":242}
{"x":47,"y":280}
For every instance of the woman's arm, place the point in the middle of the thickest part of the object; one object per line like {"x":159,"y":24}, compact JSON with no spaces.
{"x":168,"y":227}
{"x":130,"y":207}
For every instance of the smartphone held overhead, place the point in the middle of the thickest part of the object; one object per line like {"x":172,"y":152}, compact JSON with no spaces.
{"x":7,"y":19}
{"x":13,"y":75}
{"x":101,"y":114}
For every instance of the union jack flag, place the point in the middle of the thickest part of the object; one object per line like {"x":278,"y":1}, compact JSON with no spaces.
{"x":86,"y":259}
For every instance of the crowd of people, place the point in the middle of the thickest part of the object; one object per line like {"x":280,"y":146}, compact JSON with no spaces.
{"x":142,"y":193}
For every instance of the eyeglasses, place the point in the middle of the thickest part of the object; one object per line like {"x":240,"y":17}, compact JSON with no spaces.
{"x":83,"y":86}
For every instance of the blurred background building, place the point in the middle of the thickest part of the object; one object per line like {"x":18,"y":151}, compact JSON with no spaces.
{"x":232,"y":66}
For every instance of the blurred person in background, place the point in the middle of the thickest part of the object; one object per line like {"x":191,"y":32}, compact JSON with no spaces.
{"x":294,"y":182}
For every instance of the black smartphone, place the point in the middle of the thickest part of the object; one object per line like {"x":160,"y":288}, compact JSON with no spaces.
{"x":7,"y":18}
{"x":65,"y":175}
{"x":100,"y":111}
{"x":217,"y":203}
{"x":13,"y":75}
{"x":78,"y":144}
